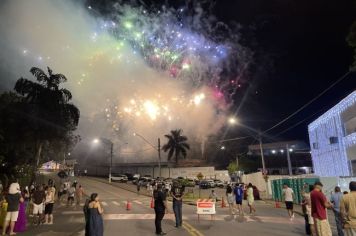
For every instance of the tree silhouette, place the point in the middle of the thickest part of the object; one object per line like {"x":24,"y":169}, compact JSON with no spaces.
{"x":51,"y":115}
{"x":176,"y":145}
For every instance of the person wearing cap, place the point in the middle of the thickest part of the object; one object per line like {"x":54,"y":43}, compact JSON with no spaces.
{"x":319,"y":205}
{"x":348,"y":210}
{"x":160,"y":208}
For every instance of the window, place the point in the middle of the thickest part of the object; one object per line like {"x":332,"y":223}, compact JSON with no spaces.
{"x":315,"y":146}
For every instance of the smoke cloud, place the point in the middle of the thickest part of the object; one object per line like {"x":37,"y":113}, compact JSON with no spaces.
{"x":116,"y":82}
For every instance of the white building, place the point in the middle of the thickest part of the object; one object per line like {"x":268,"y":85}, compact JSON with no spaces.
{"x":333,"y":140}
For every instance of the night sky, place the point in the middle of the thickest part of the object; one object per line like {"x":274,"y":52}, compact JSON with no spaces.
{"x":304,"y":45}
{"x":299,"y":50}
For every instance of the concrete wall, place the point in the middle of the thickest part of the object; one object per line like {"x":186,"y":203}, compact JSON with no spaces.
{"x":167,"y":172}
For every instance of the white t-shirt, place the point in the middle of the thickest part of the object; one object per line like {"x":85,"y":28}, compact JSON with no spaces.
{"x":288,"y":194}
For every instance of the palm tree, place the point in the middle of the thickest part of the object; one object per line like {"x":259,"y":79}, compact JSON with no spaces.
{"x":176,"y":144}
{"x":52,"y":116}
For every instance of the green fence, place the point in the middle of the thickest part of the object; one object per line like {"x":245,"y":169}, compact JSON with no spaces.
{"x":296,"y":184}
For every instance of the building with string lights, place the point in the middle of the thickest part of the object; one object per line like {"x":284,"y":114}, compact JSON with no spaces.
{"x":333,"y":140}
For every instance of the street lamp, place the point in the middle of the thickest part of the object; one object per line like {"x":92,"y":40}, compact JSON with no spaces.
{"x":107,"y":141}
{"x":158,"y":148}
{"x":232,"y":120}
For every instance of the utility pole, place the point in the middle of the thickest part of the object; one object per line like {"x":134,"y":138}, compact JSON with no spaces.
{"x":289,"y":162}
{"x":262,"y":155}
{"x":159,"y":157}
{"x":111,"y":154}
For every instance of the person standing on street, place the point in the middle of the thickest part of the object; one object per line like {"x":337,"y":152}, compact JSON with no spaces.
{"x":319,"y":204}
{"x":288,"y":196}
{"x":306,"y":207}
{"x":13,"y":198}
{"x":250,"y":198}
{"x":49,"y":202}
{"x":335,"y":200}
{"x":348,"y":210}
{"x":38,"y":199}
{"x":94,"y":225}
{"x":177,"y":194}
{"x":138,"y":187}
{"x":160,"y":208}
{"x":230,"y":199}
{"x":79,"y":194}
{"x":239,"y":195}
{"x":71,"y":193}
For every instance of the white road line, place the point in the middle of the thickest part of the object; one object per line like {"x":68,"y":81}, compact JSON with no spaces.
{"x":116,"y":203}
{"x":138,"y":202}
{"x":135,"y":216}
{"x":72,"y":212}
{"x":104,"y":203}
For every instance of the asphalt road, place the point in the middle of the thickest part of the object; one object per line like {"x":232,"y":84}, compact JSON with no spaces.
{"x":139,"y":220}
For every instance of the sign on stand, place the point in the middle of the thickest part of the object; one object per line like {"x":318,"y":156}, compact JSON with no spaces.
{"x":206,"y":207}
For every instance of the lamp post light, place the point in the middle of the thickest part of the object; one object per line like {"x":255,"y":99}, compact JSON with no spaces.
{"x":158,"y":148}
{"x":107,"y":141}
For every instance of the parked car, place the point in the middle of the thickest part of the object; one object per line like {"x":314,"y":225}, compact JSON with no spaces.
{"x":219,"y":183}
{"x":119,"y":178}
{"x":211,"y":183}
{"x":204,"y":184}
{"x":130,"y":176}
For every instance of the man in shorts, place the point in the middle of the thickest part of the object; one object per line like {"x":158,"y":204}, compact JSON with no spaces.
{"x":38,"y":199}
{"x":13,"y":201}
{"x":239,"y":194}
{"x":49,"y":202}
{"x":288,"y":196}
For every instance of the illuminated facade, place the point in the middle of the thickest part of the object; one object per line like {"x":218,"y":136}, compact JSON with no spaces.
{"x":333,"y":140}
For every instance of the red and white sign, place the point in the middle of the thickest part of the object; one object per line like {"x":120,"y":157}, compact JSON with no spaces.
{"x":206,"y":207}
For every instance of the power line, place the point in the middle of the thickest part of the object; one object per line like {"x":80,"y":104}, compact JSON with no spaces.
{"x":308,"y":103}
{"x":296,"y":124}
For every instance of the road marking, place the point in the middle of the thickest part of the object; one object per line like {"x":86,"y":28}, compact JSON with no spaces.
{"x":72,"y":212}
{"x":116,"y":203}
{"x":134,"y":216}
{"x":104,"y":203}
{"x":191,"y":230}
{"x":138,"y":202}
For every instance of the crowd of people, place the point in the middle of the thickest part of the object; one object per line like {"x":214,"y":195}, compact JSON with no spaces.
{"x":18,"y":204}
{"x":315,"y":204}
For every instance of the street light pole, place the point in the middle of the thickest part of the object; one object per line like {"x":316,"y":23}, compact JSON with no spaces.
{"x":158,"y":148}
{"x":159,"y":157}
{"x":111,"y":155}
{"x":290,"y":172}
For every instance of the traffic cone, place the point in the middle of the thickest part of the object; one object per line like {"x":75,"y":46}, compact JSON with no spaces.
{"x":223,"y":203}
{"x":152,"y":203}
{"x":278,"y":204}
{"x":128,"y":205}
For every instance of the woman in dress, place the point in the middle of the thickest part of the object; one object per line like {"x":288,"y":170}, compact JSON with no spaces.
{"x":20,"y":225}
{"x":250,"y":198}
{"x":230,"y":199}
{"x":94,"y":225}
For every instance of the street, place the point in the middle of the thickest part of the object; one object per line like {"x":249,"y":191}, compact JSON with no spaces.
{"x":139,"y":220}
